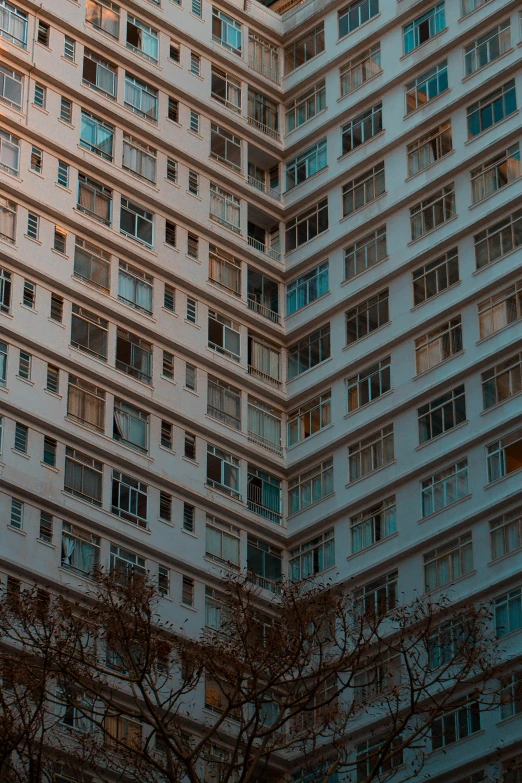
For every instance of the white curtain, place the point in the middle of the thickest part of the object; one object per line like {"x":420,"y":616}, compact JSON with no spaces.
{"x":265,"y":359}
{"x":265,"y":425}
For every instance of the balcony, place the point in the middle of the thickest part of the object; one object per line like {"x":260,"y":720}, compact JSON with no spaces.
{"x":263,"y":295}
{"x":263,"y":114}
{"x":263,"y":233}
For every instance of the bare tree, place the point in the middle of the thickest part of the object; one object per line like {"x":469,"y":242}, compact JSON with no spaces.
{"x":312,"y":679}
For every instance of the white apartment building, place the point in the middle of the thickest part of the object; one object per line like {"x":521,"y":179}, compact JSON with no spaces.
{"x":261,"y":303}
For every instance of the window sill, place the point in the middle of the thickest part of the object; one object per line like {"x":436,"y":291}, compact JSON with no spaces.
{"x":171,"y":182}
{"x":351,"y":92}
{"x":236,"y":498}
{"x":289,"y":133}
{"x":373,"y":546}
{"x":367,"y":404}
{"x":309,"y":179}
{"x":502,"y":478}
{"x":189,"y":533}
{"x":432,"y":231}
{"x":428,"y":517}
{"x":25,"y":380}
{"x":495,"y":125}
{"x":499,"y":331}
{"x":364,"y":207}
{"x":41,"y":109}
{"x":186,"y":606}
{"x":166,"y":449}
{"x":445,"y":748}
{"x":53,"y":468}
{"x":428,"y":103}
{"x":167,"y":522}
{"x":61,"y":255}
{"x":496,"y":261}
{"x":440,"y":364}
{"x":312,"y":505}
{"x":310,"y":369}
{"x":132,"y":378}
{"x":191,"y":323}
{"x":495,"y":193}
{"x":431,"y":165}
{"x":307,"y":440}
{"x":442,"y":435}
{"x":191,"y":391}
{"x":360,"y":27}
{"x":193,"y":195}
{"x":351,"y":484}
{"x":57,"y":323}
{"x":366,"y":336}
{"x":500,"y":404}
{"x":172,"y":313}
{"x":491,"y":62}
{"x":307,"y":306}
{"x":430,"y":299}
{"x":190,"y":461}
{"x":46,"y":543}
{"x":345,"y":155}
{"x":423,"y":44}
{"x":16,"y":530}
{"x":68,"y":61}
{"x":287,"y":253}
{"x":32,"y":239}
{"x":28,"y":309}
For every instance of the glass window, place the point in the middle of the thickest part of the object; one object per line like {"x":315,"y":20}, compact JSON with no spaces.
{"x":86,"y":403}
{"x":442,"y":414}
{"x":309,"y":418}
{"x":97,"y":135}
{"x":135,"y":288}
{"x":306,"y":225}
{"x":305,"y":106}
{"x":226,"y":31}
{"x":225,"y":147}
{"x":307,"y":288}
{"x":506,"y":533}
{"x":502,"y":381}
{"x":134,"y":356}
{"x":136,"y":222}
{"x":365,"y":252}
{"x":223,"y":335}
{"x":89,"y":332}
{"x":11,"y":87}
{"x":436,"y":276}
{"x":83,"y":476}
{"x":94,"y":199}
{"x":500,"y":310}
{"x":308,"y":352}
{"x":225,"y":88}
{"x":504,"y":456}
{"x":305,"y":165}
{"x":361,"y":129}
{"x":368,"y":384}
{"x":448,"y":562}
{"x":367,"y":316}
{"x":495,"y":174}
{"x":361,"y":69}
{"x":222,"y":542}
{"x":429,"y":148}
{"x":312,"y":557}
{"x":129,"y":498}
{"x":13,"y":24}
{"x":141,"y":98}
{"x":130,"y":425}
{"x":491,"y":109}
{"x":355,"y":14}
{"x":105,"y":15}
{"x":138,"y":157}
{"x":80,"y":549}
{"x":424,"y":27}
{"x":223,"y":471}
{"x":488,"y":47}
{"x":9,"y":152}
{"x":92,"y":264}
{"x":310,"y":487}
{"x":305,"y":48}
{"x":432,"y":212}
{"x":225,"y":208}
{"x":99,"y":74}
{"x":437,"y":345}
{"x":371,"y":453}
{"x":374,"y":524}
{"x":363,"y":189}
{"x":224,"y":402}
{"x":426,"y":87}
{"x":444,"y":488}
{"x":142,"y":39}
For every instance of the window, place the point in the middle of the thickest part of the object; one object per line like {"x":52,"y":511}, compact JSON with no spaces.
{"x":189,"y":514}
{"x":264,"y":425}
{"x":142,"y":39}
{"x":502,"y":381}
{"x":105,"y":15}
{"x":36,"y":160}
{"x":43,"y":33}
{"x":191,"y":377}
{"x":366,"y":317}
{"x":187,"y":591}
{"x":511,"y":695}
{"x":501,"y":310}
{"x":491,"y":109}
{"x":52,"y":383}
{"x":365,"y":252}
{"x":172,"y":170}
{"x":129,"y":498}
{"x":264,"y":360}
{"x":263,"y":563}
{"x":83,"y":476}
{"x":166,"y":435}
{"x":60,"y":240}
{"x":17,"y":514}
{"x":305,"y":48}
{"x":46,"y":527}
{"x":134,"y":356}
{"x":173,"y":110}
{"x":225,"y":147}
{"x":426,"y":87}
{"x":363,"y":189}
{"x":169,"y":298}
{"x":92,"y":264}
{"x":454,"y":725}
{"x":24,"y":365}
{"x":13,"y":24}
{"x":9,"y":151}
{"x":226,"y":31}
{"x":66,"y":108}
{"x":222,"y":542}
{"x":86,"y":403}
{"x":448,"y":643}
{"x":163,"y":580}
{"x":194,"y":121}
{"x":223,"y":335}
{"x":307,"y":288}
{"x":224,"y":402}
{"x":432,"y":212}
{"x":308,"y":352}
{"x":141,"y":98}
{"x":192,"y":310}
{"x":374,"y":599}
{"x":223,"y":471}
{"x":310,"y":487}
{"x":309,"y":418}
{"x":361,"y":129}
{"x":225,"y":270}
{"x":373,"y":525}
{"x":506,"y":533}
{"x":130,"y":426}
{"x":307,"y":225}
{"x":264,"y":495}
{"x":89,"y":332}
{"x":195,"y":64}
{"x":33,"y":228}
{"x":99,"y":74}
{"x":448,"y":562}
{"x":495,"y":173}
{"x":424,"y":27}
{"x":136,"y":222}
{"x":467,"y":7}
{"x":49,"y":451}
{"x":434,"y":277}
{"x":429,"y":148}
{"x":225,"y":208}
{"x":263,"y":57}
{"x":94,"y":199}
{"x":361,"y":69}
{"x":313,"y":556}
{"x":62,"y":177}
{"x":175,"y":51}
{"x":443,"y":488}
{"x":167,"y":365}
{"x":371,"y":453}
{"x":305,"y":165}
{"x":442,"y":414}
{"x":3,"y":372}
{"x":125,"y":563}
{"x":225,"y":88}
{"x":193,"y":187}
{"x":368,"y":384}
{"x":189,"y":446}
{"x":263,"y":113}
{"x":197,"y":7}
{"x":135,"y":288}
{"x":487,"y":48}
{"x":170,"y":233}
{"x":305,"y":106}
{"x":504,"y":456}
{"x":355,"y":14}
{"x":11,"y":86}
{"x":367,"y":755}
{"x":97,"y":135}
{"x":69,"y":48}
{"x":438,"y":345}
{"x":508,"y":612}
{"x":165,"y":508}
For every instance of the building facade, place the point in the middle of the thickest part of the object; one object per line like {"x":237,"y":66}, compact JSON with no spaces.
{"x":261,"y":301}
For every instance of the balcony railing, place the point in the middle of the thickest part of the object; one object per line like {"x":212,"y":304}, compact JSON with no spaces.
{"x":266,"y":189}
{"x":264,"y":311}
{"x":257,"y":245}
{"x":275,"y":448}
{"x":265,"y":69}
{"x":266,"y":584}
{"x":263,"y":376}
{"x":263,"y":128}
